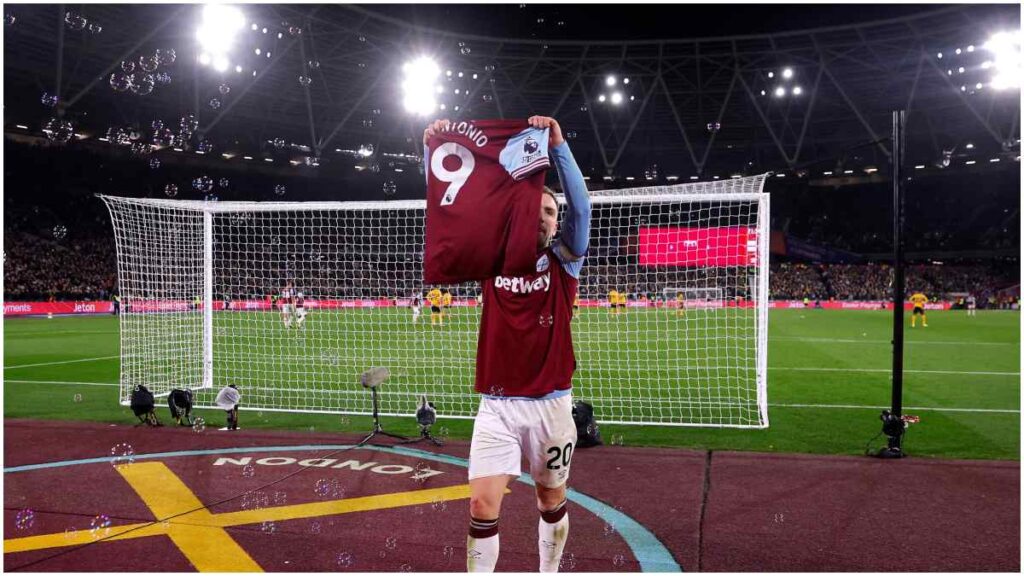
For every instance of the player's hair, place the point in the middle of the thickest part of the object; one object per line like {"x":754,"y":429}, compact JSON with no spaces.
{"x":551,"y":193}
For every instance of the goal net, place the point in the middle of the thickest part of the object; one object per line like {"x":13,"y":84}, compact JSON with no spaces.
{"x":202,"y":307}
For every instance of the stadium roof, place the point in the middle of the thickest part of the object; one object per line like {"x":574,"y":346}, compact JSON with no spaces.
{"x":701,"y":96}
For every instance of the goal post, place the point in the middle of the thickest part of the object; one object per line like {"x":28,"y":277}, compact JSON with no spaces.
{"x":199,"y":283}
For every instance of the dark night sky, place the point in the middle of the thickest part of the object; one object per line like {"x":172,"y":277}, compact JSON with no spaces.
{"x":639,"y":21}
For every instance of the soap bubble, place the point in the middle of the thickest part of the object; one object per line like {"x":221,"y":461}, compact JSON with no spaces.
{"x":74,"y":21}
{"x":99,"y":527}
{"x":198,"y":425}
{"x":583,"y":108}
{"x":294,"y":30}
{"x":165,"y":56}
{"x":391,"y":542}
{"x":70,"y":533}
{"x":205,"y":146}
{"x":571,"y":134}
{"x":215,"y":103}
{"x":362,"y":38}
{"x":609,"y":530}
{"x":78,"y":398}
{"x":9,"y":19}
{"x":618,"y":560}
{"x":49,"y":100}
{"x":448,"y":553}
{"x":714,"y":126}
{"x":95,"y":28}
{"x":143,"y":84}
{"x":405,"y":568}
{"x":154,"y":163}
{"x":390,"y":188}
{"x":122,"y":454}
{"x":376,"y":111}
{"x":203,"y":183}
{"x":439,"y":504}
{"x":248,"y":470}
{"x":128,"y":66}
{"x":314,"y":64}
{"x":58,"y":130}
{"x":489,"y":68}
{"x":421,"y":471}
{"x":345,"y":559}
{"x":224,"y":89}
{"x":163,"y":78}
{"x":268,"y":527}
{"x":540,"y":20}
{"x":157,"y":125}
{"x":148,"y":63}
{"x":305,"y":80}
{"x":171,"y":190}
{"x":567,"y":563}
{"x":60,"y":231}
{"x":314,"y":527}
{"x":24,"y":519}
{"x":487,"y":97}
{"x":617,"y":440}
{"x":465,"y":50}
{"x":278,"y":143}
{"x":280,"y":190}
{"x":188,"y":124}
{"x":223,"y":182}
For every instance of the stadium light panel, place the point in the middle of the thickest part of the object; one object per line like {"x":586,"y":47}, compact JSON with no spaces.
{"x":220,"y":63}
{"x":617,"y":98}
{"x":694,"y":178}
{"x":787,"y":73}
{"x":625,"y":80}
{"x":919,"y":167}
{"x":827,"y":173}
{"x":969,"y":146}
{"x":204,"y":59}
{"x":1006,"y":59}
{"x":220,"y":23}
{"x":969,"y":162}
{"x":939,"y":55}
{"x":609,"y":81}
{"x":797,"y":90}
{"x":601,"y":98}
{"x":630,"y":178}
{"x":771,"y":74}
{"x":419,"y":85}
{"x":780,"y":92}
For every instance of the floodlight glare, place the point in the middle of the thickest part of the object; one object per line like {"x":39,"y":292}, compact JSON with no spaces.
{"x":780,"y":91}
{"x":238,"y":69}
{"x":220,"y":63}
{"x":771,"y":74}
{"x":797,"y":90}
{"x":204,"y":58}
{"x":220,"y":22}
{"x":1006,"y":50}
{"x":625,"y":80}
{"x":787,"y":73}
{"x":610,"y":81}
{"x":600,"y":98}
{"x":939,"y":55}
{"x":617,"y":98}
{"x":419,"y":85}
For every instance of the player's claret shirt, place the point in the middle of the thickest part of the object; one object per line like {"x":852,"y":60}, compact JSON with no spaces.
{"x":525,"y":344}
{"x":919,"y":300}
{"x":484,"y":181}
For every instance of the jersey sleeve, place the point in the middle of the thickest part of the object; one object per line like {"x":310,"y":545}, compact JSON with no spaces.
{"x":525,"y":153}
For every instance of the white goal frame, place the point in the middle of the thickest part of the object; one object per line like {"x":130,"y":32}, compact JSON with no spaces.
{"x":192,"y":226}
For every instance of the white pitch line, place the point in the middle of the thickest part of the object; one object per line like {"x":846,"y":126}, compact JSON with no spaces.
{"x":905,"y":408}
{"x":916,"y":342}
{"x":6,"y":381}
{"x":61,"y":362}
{"x":888,"y":370}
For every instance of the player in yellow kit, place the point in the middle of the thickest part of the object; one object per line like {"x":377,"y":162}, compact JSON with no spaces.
{"x":446,"y":303}
{"x":613,"y":301}
{"x":680,"y":305}
{"x":576,"y":306}
{"x":434,"y":297}
{"x":918,"y":300}
{"x":622,"y":302}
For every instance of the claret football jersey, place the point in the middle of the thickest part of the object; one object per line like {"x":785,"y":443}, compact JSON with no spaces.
{"x":484,"y":181}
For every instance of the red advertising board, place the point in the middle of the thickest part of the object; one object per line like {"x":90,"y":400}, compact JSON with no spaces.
{"x":716,"y":247}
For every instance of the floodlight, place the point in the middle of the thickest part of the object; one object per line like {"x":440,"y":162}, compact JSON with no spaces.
{"x":204,"y":58}
{"x":610,"y":81}
{"x":419,"y":85}
{"x":969,"y":146}
{"x":797,"y":90}
{"x":600,"y":98}
{"x":787,"y":73}
{"x":771,"y":74}
{"x":219,"y":24}
{"x":1006,"y":49}
{"x":625,"y":80}
{"x":258,"y":52}
{"x":939,"y":55}
{"x":220,"y":63}
{"x":617,"y":98}
{"x":238,"y":69}
{"x":780,"y":92}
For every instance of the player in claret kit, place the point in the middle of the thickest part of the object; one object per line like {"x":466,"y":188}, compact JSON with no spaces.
{"x":524,"y":369}
{"x":287,"y":303}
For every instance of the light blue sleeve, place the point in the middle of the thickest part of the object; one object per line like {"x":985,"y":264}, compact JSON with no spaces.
{"x":575,"y":234}
{"x":525,"y":153}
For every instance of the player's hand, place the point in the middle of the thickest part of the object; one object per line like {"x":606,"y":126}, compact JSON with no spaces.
{"x":433,"y":128}
{"x":542,"y":122}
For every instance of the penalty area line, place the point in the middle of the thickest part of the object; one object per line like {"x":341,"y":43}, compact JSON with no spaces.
{"x":61,"y":362}
{"x":924,"y":408}
{"x":888,"y":370}
{"x":8,"y":381}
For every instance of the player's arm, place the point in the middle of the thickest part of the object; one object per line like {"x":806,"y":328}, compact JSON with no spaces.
{"x":576,"y":224}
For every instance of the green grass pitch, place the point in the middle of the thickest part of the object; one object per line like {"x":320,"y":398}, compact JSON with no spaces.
{"x":828,"y":380}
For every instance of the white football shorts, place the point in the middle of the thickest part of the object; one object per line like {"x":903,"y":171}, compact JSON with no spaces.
{"x":506,"y":429}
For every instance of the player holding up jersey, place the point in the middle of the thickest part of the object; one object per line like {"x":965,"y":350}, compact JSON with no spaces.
{"x":287,"y":303}
{"x":434,"y":297}
{"x":524,"y":369}
{"x":918,"y":300}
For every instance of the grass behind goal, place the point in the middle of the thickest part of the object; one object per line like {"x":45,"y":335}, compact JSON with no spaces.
{"x":828,"y":380}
